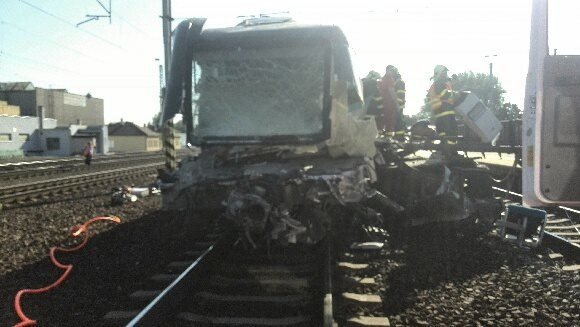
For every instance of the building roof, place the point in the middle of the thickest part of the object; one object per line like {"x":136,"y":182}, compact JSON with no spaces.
{"x":129,"y":129}
{"x":17,"y":86}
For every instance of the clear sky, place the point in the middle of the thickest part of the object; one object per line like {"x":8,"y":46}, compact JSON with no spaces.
{"x":40,"y":43}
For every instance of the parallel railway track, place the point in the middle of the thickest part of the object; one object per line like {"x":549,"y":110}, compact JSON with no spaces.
{"x":22,"y":171}
{"x":40,"y":191}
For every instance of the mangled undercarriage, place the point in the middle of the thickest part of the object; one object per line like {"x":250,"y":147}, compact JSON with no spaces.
{"x":290,"y":201}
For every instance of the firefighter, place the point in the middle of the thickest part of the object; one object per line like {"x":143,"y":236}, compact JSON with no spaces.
{"x":373,"y":101}
{"x":441,"y":103}
{"x":400,"y":95}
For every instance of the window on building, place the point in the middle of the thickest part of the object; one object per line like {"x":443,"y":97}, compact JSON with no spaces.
{"x":23,"y":137}
{"x":5,"y":137}
{"x":152,"y":143}
{"x":52,"y":143}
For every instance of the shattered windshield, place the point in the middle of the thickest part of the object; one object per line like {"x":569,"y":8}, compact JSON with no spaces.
{"x":258,"y":92}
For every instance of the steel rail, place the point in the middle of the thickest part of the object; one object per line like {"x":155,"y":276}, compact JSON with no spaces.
{"x":23,"y":174}
{"x":157,"y":311}
{"x":13,"y":166}
{"x":11,"y":194}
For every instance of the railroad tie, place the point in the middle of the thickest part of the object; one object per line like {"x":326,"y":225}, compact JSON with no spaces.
{"x":142,"y":296}
{"x":571,"y":268}
{"x":293,"y":299}
{"x":372,"y":301}
{"x":272,"y":285}
{"x":118,"y":318}
{"x":194,"y":253}
{"x":349,"y":282}
{"x":368,"y":321}
{"x":352,"y":266}
{"x":179,"y":265}
{"x":193,"y":319}
{"x":555,"y":256}
{"x":367,"y":301}
{"x":164,"y":278}
{"x":368,"y":247}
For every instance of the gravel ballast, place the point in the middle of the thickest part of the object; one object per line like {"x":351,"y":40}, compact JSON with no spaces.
{"x":429,"y":277}
{"x":114,"y":263}
{"x":435,"y":278}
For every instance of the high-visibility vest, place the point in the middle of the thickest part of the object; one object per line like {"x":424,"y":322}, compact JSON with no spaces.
{"x":440,"y":100}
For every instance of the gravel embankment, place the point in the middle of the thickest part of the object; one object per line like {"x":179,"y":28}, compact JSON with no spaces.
{"x":437,"y":279}
{"x":112,"y":265}
{"x":426,"y":278}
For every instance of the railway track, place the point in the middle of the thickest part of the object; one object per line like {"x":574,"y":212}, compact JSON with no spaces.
{"x":17,"y":172}
{"x":41,"y":191}
{"x":219,"y":283}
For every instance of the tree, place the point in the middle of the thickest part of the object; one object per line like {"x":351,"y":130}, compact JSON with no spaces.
{"x":153,"y":125}
{"x":485,"y":87}
{"x":509,"y":111}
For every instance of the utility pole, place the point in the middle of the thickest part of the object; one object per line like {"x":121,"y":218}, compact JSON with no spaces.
{"x":160,"y":85}
{"x":491,"y":84}
{"x":168,"y":131}
{"x":166,"y":17}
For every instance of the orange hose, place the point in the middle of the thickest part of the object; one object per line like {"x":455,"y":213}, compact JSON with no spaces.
{"x":75,"y":232}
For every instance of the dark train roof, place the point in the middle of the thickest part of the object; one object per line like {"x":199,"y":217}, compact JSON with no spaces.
{"x":271,"y":34}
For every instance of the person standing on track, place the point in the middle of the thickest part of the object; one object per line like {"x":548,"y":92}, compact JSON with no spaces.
{"x":88,"y":153}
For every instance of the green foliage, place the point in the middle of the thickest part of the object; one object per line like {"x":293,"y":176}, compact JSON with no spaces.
{"x":154,"y":122}
{"x":488,"y":89}
{"x":153,"y":125}
{"x":509,"y":111}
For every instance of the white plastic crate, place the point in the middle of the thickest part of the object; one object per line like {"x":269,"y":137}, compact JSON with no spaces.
{"x":479,"y":118}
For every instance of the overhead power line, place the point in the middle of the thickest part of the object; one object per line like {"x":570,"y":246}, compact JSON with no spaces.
{"x":47,"y":39}
{"x":42,"y":64}
{"x":64,"y":21}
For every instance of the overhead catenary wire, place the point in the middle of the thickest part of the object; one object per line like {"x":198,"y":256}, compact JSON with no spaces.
{"x":43,"y":64}
{"x":47,"y":39}
{"x":134,"y":26}
{"x":62,"y":20}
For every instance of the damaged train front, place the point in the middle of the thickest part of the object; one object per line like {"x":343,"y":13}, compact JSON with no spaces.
{"x":286,"y":154}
